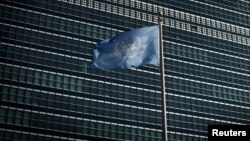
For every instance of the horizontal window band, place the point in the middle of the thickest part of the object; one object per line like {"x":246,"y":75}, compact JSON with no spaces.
{"x":215,"y":51}
{"x":211,"y":65}
{"x":226,"y":104}
{"x":30,"y":133}
{"x":223,"y":8}
{"x":88,"y":112}
{"x":74,"y":93}
{"x":69,"y":113}
{"x":202,"y":40}
{"x":186,"y":131}
{"x":78,"y":97}
{"x":207,"y":80}
{"x":207,"y":97}
{"x":77,"y":118}
{"x":213,"y":116}
{"x":51,"y":132}
{"x":89,"y":76}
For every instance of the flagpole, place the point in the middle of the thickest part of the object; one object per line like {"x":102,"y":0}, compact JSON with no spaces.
{"x":163,"y":96}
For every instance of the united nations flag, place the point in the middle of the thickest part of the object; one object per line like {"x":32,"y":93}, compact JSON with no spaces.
{"x":129,"y":49}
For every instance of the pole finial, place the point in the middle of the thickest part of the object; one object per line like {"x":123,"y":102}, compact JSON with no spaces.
{"x":160,"y":13}
{"x":160,"y":16}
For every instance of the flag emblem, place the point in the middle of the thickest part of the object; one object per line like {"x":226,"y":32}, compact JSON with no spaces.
{"x":128,"y":47}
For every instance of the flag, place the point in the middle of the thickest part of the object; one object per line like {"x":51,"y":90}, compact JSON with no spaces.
{"x":127,"y":50}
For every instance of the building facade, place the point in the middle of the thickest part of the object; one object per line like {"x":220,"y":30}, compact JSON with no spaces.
{"x":48,"y":91}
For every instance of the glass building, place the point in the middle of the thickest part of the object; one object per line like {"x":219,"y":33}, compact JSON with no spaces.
{"x":48,"y":92}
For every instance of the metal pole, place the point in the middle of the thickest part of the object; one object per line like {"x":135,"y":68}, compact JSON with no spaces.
{"x":163,"y":98}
